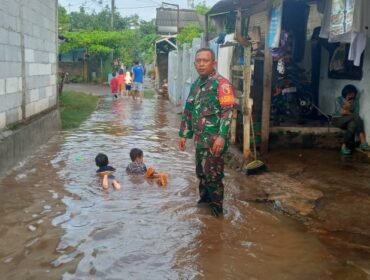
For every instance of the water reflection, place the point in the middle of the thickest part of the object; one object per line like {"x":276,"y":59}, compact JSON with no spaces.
{"x":145,"y":231}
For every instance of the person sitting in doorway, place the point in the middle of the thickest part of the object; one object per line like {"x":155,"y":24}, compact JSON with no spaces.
{"x":347,"y":117}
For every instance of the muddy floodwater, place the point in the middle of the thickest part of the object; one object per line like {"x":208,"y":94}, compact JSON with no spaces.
{"x":57,"y":223}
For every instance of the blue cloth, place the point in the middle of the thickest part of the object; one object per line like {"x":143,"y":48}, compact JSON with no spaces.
{"x":105,"y":169}
{"x":138,"y":73}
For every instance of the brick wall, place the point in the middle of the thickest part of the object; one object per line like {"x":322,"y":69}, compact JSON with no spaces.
{"x":28,"y":52}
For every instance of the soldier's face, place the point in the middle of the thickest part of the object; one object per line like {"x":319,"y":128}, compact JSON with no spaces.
{"x":204,"y":63}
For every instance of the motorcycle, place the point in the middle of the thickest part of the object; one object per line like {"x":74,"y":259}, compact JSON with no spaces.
{"x":292,"y":97}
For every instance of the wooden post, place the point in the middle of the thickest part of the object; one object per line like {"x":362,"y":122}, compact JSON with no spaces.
{"x":247,"y":102}
{"x":266,"y":101}
{"x":233,"y":126}
{"x":85,"y":71}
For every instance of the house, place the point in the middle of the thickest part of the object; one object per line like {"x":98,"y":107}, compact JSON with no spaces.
{"x":273,"y":40}
{"x":168,"y":23}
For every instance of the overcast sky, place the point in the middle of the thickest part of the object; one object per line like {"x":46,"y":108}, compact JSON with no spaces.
{"x":146,"y":9}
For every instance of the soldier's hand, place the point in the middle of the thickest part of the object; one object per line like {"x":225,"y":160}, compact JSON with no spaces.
{"x":218,"y":145}
{"x":182,"y":145}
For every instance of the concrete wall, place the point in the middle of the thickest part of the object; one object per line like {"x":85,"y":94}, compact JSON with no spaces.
{"x":28,"y":57}
{"x":73,"y":68}
{"x":331,"y":88}
{"x":16,"y":145}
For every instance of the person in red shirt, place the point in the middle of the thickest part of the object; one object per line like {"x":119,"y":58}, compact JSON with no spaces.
{"x":114,"y":85}
{"x":121,"y":81}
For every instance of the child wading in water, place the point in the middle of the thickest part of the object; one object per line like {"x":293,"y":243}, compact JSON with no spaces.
{"x":106,"y":172}
{"x":137,"y":166}
{"x":128,"y":82}
{"x":114,"y":85}
{"x":121,"y":82}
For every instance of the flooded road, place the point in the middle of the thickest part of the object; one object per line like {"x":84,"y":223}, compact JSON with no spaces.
{"x":56,"y":222}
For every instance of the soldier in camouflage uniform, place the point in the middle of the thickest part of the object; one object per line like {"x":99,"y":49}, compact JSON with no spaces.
{"x":207,"y":117}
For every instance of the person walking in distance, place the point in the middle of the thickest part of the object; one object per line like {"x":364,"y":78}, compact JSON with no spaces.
{"x":207,"y":118}
{"x":138,"y":78}
{"x":114,"y":86}
{"x":121,"y":82}
{"x":128,"y":82}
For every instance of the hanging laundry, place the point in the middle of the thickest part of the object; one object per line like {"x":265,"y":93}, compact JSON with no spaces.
{"x":341,"y":18}
{"x":358,"y":45}
{"x":360,"y":29}
{"x":325,"y":23}
{"x":347,"y":21}
{"x":273,"y":36}
{"x":361,"y":19}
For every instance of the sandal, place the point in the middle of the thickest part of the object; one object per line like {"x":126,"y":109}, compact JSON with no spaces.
{"x":345,"y":151}
{"x":365,"y":147}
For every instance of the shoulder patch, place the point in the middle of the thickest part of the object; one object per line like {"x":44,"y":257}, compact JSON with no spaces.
{"x":225,"y":93}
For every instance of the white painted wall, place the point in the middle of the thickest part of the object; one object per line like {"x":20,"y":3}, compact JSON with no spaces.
{"x":28,"y":52}
{"x":331,"y":88}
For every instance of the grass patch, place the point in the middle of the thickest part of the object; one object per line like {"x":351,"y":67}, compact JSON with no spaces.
{"x":75,"y":107}
{"x":14,"y":126}
{"x":149,"y":93}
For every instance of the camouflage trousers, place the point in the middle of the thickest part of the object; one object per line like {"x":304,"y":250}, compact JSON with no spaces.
{"x":210,"y":172}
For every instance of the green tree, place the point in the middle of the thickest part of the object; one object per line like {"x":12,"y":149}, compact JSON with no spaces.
{"x":101,"y":44}
{"x":63,"y":20}
{"x":148,"y":36}
{"x":201,"y":8}
{"x":188,"y":33}
{"x":102,"y":20}
{"x":132,"y":39}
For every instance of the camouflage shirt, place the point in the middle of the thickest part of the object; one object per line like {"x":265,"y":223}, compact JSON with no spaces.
{"x":208,"y":111}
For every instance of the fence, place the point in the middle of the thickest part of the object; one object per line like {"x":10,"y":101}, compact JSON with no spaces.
{"x":181,"y":72}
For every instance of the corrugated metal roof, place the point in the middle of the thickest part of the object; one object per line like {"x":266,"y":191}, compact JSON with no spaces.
{"x":231,"y":5}
{"x":225,"y":6}
{"x":166,"y":18}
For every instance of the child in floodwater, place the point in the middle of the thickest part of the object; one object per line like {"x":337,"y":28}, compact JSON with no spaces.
{"x":137,"y":166}
{"x":114,"y":85}
{"x":106,"y":172}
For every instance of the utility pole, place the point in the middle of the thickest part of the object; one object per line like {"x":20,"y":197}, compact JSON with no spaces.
{"x":112,"y":24}
{"x":112,"y":15}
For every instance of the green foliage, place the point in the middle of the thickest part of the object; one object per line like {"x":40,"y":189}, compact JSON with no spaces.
{"x":76,"y":107}
{"x":75,"y":79}
{"x":148,"y":36}
{"x":122,"y":44}
{"x":63,"y":20}
{"x":201,"y":8}
{"x":188,"y":33}
{"x":14,"y":126}
{"x":102,"y":20}
{"x":132,"y":38}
